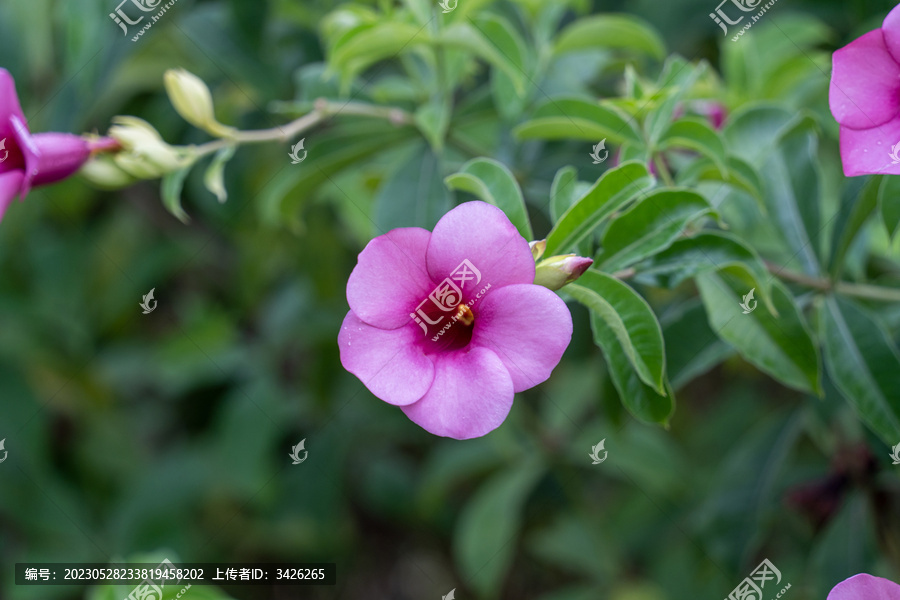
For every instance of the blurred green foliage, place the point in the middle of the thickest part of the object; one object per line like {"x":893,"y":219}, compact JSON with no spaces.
{"x":168,"y":433}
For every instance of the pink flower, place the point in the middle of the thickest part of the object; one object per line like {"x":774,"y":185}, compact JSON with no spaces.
{"x":865,"y":587}
{"x":448,"y":325}
{"x":27,"y":159}
{"x":865,"y":99}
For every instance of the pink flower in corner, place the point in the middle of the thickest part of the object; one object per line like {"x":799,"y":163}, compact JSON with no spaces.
{"x":865,"y":99}
{"x":448,"y":324}
{"x":27,"y":159}
{"x":865,"y":587}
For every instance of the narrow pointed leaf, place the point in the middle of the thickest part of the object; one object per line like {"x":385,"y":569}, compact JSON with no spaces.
{"x":492,"y":182}
{"x":612,"y":191}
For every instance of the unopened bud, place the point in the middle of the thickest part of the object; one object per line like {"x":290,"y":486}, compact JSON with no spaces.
{"x":557,"y":271}
{"x":102,"y":171}
{"x":145,"y":154}
{"x":537,"y":249}
{"x":191,"y":98}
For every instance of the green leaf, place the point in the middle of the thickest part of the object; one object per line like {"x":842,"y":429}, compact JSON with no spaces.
{"x":677,"y":79}
{"x":492,"y":182}
{"x":780,"y":346}
{"x":692,"y":348}
{"x":484,"y":542}
{"x":792,"y":198}
{"x":563,"y":192}
{"x":631,"y":320}
{"x":293,"y":185}
{"x":616,"y":187}
{"x":171,"y":193}
{"x":650,"y":226}
{"x":214,"y":179}
{"x":617,"y":31}
{"x":639,"y":398}
{"x":576,"y":118}
{"x":432,"y":119}
{"x":413,"y":196}
{"x":697,"y":135}
{"x":470,"y":39}
{"x":855,"y":210}
{"x":707,"y":251}
{"x":738,"y":174}
{"x":369,"y":44}
{"x":863,"y":363}
{"x":509,"y":98}
{"x":889,"y":204}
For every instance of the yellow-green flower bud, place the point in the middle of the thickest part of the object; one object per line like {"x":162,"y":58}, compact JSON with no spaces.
{"x":537,"y":249}
{"x":191,"y":98}
{"x":557,"y":271}
{"x":145,"y":154}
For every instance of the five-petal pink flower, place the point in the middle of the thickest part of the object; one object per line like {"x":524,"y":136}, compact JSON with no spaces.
{"x":865,"y":587}
{"x":865,"y":99}
{"x":28,"y":160}
{"x":448,"y":325}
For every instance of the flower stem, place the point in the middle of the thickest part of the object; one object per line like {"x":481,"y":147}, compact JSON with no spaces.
{"x":664,"y":172}
{"x":858,"y":290}
{"x":322,"y":110}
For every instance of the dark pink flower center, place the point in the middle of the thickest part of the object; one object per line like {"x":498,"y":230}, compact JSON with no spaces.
{"x":444,"y":330}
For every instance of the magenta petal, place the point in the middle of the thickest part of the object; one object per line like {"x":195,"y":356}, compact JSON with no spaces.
{"x":867,"y":151}
{"x":865,"y":81}
{"x":390,"y":279}
{"x":483,"y":235}
{"x":528,"y":327}
{"x":9,"y":104}
{"x":9,"y":188}
{"x":387,"y":361}
{"x":891,"y":30}
{"x":865,"y":587}
{"x":470,"y":396}
{"x":59,"y":155}
{"x":30,"y":152}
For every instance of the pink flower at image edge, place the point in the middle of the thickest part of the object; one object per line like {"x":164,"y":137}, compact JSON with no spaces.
{"x":509,"y":336}
{"x":865,"y":99}
{"x":865,"y":587}
{"x":28,"y":160}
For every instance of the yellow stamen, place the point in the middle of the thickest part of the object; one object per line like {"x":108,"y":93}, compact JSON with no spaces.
{"x":464,"y":315}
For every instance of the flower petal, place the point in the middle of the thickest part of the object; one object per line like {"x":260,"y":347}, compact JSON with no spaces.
{"x":390,"y":279}
{"x":387,"y":361}
{"x":891,"y":30}
{"x":9,"y":188}
{"x":471,"y":395}
{"x":528,"y":327}
{"x":868,"y":151}
{"x":9,"y":104}
{"x":482,"y":234}
{"x":59,"y":155}
{"x":30,"y":153}
{"x":864,"y":83}
{"x":865,"y":587}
